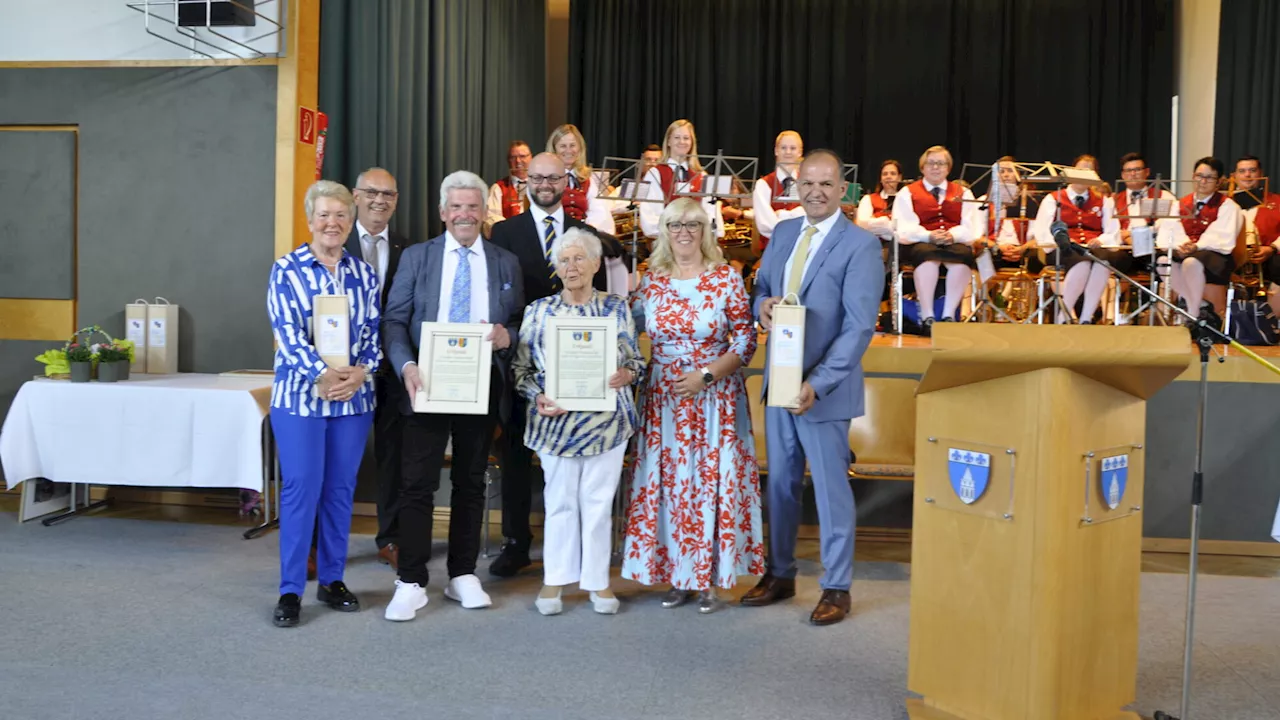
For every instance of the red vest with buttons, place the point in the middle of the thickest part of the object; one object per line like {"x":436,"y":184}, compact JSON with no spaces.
{"x":1267,"y":219}
{"x":576,"y":199}
{"x":667,"y":178}
{"x":775,"y":190}
{"x":1195,"y":226}
{"x":1083,"y":224}
{"x":512,"y":199}
{"x":932,"y":214}
{"x":881,"y":207}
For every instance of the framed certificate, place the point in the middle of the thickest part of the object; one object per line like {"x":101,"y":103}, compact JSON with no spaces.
{"x":454,"y":362}
{"x":582,"y":353}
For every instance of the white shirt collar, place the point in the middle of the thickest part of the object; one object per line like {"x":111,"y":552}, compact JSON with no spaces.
{"x":1073,"y":195}
{"x":672,"y":162}
{"x":538,"y":214}
{"x":451,"y":245}
{"x":362,"y":231}
{"x":783,"y":174}
{"x":825,"y":226}
{"x":930,"y":188}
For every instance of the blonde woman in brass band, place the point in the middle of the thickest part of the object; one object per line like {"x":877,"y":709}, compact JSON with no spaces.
{"x":580,"y":195}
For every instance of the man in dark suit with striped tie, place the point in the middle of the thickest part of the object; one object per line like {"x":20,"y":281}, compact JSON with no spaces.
{"x":529,"y":236}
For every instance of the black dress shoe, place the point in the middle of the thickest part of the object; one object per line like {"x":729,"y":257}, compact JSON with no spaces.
{"x":768,"y":591}
{"x":832,"y":607}
{"x":287,"y":609}
{"x":926,"y":327}
{"x":337,"y":596}
{"x":512,"y":560}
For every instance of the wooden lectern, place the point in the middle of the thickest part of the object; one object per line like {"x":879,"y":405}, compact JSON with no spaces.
{"x":1027,"y":533}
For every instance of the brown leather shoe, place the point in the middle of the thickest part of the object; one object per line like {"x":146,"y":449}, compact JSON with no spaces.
{"x":311,"y":564}
{"x":769,"y":590}
{"x":832,"y":608}
{"x":389,"y":554}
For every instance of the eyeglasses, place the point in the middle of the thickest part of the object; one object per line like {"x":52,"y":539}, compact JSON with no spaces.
{"x":1206,"y":178}
{"x":539,"y":179}
{"x":692,"y":226}
{"x":1132,"y":171}
{"x":936,"y":163}
{"x":375,"y":193}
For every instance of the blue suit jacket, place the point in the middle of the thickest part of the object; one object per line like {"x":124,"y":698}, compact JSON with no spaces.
{"x":415,"y":298}
{"x":841,"y":295}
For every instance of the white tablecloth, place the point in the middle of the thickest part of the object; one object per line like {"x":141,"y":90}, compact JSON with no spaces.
{"x":186,"y":430}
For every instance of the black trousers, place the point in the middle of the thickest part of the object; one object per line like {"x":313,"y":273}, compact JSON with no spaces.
{"x":388,"y":438}
{"x":517,"y":478}
{"x":425,"y":437}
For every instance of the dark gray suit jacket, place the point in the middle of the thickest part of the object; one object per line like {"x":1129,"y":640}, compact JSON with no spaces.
{"x":415,"y":298}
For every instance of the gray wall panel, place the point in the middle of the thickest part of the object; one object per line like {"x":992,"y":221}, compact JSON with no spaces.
{"x":37,"y":214}
{"x":177,"y":178}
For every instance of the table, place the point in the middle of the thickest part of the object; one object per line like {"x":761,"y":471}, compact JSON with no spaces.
{"x":186,"y":430}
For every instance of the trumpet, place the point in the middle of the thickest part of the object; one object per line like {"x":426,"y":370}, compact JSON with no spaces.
{"x":1020,"y":297}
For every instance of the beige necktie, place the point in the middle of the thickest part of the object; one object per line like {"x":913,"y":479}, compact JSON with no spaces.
{"x":798,"y":260}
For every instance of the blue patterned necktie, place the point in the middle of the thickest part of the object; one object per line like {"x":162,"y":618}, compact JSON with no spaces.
{"x":460,"y":298}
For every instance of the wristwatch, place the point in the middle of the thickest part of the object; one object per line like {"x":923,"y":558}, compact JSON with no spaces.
{"x":707,"y":377}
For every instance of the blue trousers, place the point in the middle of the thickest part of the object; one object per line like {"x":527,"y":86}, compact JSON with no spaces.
{"x":319,"y":457}
{"x":790,"y":440}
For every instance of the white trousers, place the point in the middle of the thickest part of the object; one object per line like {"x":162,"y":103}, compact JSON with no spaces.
{"x":579,"y":514}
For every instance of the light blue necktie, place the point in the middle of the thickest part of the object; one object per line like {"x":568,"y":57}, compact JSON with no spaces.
{"x":460,"y":299}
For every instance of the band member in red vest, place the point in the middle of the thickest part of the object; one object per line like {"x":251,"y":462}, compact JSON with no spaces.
{"x":507,"y":197}
{"x":1201,"y":243}
{"x":932,"y":218}
{"x":1090,"y":221}
{"x":678,"y":172}
{"x":1137,"y":186}
{"x":875,"y":211}
{"x":1261,"y":210}
{"x":1006,"y":228}
{"x":580,"y":197}
{"x":767,"y":203}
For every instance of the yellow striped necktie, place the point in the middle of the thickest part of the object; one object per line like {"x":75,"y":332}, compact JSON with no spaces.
{"x":796,"y":276}
{"x":549,"y":239}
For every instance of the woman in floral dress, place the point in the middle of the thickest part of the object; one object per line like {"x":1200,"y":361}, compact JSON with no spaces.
{"x":694,"y":515}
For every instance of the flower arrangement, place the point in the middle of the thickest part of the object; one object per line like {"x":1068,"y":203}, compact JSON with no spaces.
{"x":77,"y":352}
{"x":115,"y":351}
{"x":81,"y":348}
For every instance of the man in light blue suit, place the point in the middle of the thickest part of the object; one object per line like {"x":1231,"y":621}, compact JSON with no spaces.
{"x":454,"y":278}
{"x":835,"y":270}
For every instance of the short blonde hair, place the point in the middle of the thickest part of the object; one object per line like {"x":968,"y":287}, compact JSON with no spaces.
{"x":694,"y":165}
{"x":937,"y":149}
{"x":683,"y":209}
{"x":329,"y":189}
{"x":580,"y":166}
{"x":785,"y":133}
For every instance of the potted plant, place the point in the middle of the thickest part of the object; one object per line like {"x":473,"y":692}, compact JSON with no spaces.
{"x":80,"y":358}
{"x":113,"y":361}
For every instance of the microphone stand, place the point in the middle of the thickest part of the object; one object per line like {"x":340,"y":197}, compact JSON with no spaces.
{"x":1204,"y":335}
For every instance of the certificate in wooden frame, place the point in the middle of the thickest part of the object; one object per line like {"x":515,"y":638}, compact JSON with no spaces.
{"x":462,"y":386}
{"x":572,"y":337}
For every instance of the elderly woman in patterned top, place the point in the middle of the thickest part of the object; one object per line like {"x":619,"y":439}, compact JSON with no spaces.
{"x":581,"y":452}
{"x":320,"y":414}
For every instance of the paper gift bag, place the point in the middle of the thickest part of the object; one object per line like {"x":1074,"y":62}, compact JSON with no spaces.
{"x":331,"y":329}
{"x":162,"y":337}
{"x":135,"y":330}
{"x":786,"y":355}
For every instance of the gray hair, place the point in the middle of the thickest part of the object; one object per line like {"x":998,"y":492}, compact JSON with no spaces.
{"x":577,"y":237}
{"x":329,"y":189}
{"x":375,"y":168}
{"x":463,"y":180}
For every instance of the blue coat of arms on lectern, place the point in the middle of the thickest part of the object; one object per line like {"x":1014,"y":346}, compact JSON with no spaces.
{"x":1114,"y":479}
{"x":970,"y":472}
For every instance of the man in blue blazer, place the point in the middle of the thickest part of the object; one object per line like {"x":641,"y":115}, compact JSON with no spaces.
{"x":835,"y":270}
{"x":457,"y":278}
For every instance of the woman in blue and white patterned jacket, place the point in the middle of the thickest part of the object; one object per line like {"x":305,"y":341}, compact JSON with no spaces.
{"x":320,"y":415}
{"x":581,"y":452}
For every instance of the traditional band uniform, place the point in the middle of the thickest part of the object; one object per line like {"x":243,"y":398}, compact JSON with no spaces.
{"x":581,"y":204}
{"x":923,"y":208}
{"x":667,"y":179}
{"x":507,"y":199}
{"x":1213,"y":225}
{"x":1263,"y":217}
{"x":769,"y":208}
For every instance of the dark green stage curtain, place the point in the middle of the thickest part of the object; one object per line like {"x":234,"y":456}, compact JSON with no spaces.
{"x":874,"y":79}
{"x":1247,"y":114}
{"x":424,"y":88}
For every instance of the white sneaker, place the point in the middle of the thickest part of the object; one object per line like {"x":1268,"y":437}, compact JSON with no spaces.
{"x":605,"y":605}
{"x":408,"y":600}
{"x":466,"y":589}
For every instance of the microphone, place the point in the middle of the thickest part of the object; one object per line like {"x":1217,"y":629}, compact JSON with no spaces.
{"x":1062,"y":239}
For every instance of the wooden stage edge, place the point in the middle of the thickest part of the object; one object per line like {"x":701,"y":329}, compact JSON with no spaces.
{"x":908,"y":356}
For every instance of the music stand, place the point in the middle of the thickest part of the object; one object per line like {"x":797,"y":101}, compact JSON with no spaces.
{"x":723,"y":176}
{"x":1155,"y":210}
{"x":625,"y":175}
{"x":1004,"y":194}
